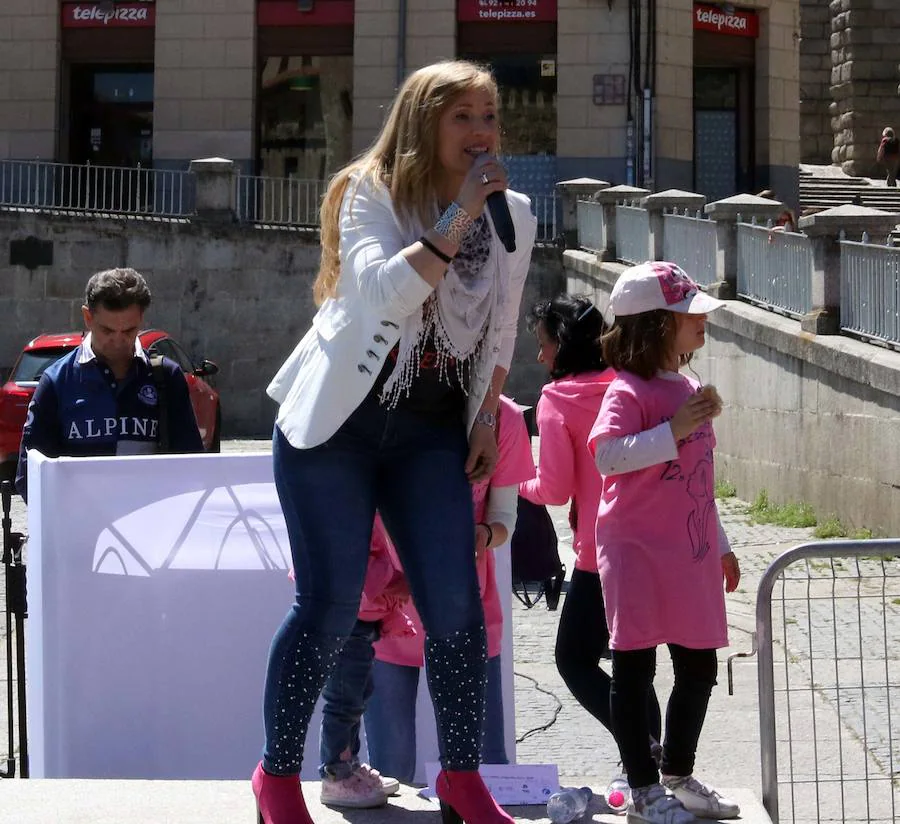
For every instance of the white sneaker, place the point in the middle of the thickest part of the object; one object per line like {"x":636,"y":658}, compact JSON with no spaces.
{"x":701,"y":799}
{"x":354,"y":791}
{"x":652,"y":805}
{"x":389,"y":786}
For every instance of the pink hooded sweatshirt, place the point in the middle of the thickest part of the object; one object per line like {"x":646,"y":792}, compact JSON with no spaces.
{"x":565,"y":414}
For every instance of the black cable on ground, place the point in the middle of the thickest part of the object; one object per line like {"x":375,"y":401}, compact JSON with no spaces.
{"x":556,"y":711}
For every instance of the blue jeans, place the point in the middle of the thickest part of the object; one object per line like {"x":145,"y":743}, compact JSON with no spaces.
{"x":412,"y":470}
{"x":391,"y":719}
{"x":346,"y":693}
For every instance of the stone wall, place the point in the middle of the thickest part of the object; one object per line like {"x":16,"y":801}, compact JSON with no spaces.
{"x":238,"y":295}
{"x":864,"y":77}
{"x":811,"y":419}
{"x":816,"y":140}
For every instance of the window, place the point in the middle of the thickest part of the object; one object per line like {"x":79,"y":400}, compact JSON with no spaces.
{"x":305,"y":114}
{"x":33,"y":364}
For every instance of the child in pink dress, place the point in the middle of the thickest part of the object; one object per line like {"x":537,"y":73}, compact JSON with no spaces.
{"x":391,"y":712}
{"x":568,"y":331}
{"x":661,"y":550}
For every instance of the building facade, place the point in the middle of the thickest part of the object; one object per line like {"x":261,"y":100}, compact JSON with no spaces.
{"x":658,"y":93}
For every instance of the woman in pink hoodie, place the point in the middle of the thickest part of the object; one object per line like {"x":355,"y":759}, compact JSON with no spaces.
{"x":568,"y":331}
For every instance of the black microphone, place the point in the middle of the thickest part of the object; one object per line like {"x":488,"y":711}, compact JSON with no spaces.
{"x":503,"y":225}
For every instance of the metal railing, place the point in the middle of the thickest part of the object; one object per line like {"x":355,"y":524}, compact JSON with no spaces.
{"x":775,"y":268}
{"x":105,"y":189}
{"x":829,"y":682}
{"x":546,"y":210}
{"x":279,"y":201}
{"x":632,"y":234}
{"x":591,"y":227}
{"x":690,"y":241}
{"x":870,"y":290}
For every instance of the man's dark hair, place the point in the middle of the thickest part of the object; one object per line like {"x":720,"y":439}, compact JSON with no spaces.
{"x":641,"y":343}
{"x":117,"y":289}
{"x":576,"y":325}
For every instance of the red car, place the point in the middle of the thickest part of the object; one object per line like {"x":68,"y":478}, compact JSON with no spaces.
{"x":15,"y":394}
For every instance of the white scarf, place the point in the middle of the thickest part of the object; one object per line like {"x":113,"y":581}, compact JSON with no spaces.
{"x":459,"y":316}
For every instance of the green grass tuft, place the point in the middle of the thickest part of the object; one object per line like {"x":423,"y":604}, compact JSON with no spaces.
{"x":794,"y":515}
{"x":725,"y":489}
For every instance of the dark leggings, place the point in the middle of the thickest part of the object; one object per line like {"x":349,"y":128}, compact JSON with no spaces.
{"x":582,"y":640}
{"x":632,"y":684}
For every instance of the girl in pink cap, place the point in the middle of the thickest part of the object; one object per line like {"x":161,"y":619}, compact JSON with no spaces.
{"x":661,"y":550}
{"x":568,"y":331}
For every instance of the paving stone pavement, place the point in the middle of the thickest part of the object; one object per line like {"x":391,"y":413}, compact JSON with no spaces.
{"x":552,"y":728}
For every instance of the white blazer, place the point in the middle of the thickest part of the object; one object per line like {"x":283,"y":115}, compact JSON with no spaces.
{"x":335,"y":365}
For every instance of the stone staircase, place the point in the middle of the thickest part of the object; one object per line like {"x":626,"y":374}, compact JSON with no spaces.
{"x":826,"y":192}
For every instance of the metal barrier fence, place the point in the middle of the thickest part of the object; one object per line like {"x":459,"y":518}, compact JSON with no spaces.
{"x":279,"y":201}
{"x":690,"y":241}
{"x":828,"y":635}
{"x":591,"y":227}
{"x":775,"y":268}
{"x":632,"y":234}
{"x":870,"y":290}
{"x":546,"y":210}
{"x":105,"y":189}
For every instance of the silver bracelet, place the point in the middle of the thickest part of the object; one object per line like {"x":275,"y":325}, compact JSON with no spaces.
{"x":454,"y":224}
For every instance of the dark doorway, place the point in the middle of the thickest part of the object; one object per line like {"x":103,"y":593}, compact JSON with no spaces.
{"x":111,"y":115}
{"x":723,"y":164}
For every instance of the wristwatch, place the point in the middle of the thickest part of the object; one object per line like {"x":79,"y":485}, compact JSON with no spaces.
{"x":487,"y":418}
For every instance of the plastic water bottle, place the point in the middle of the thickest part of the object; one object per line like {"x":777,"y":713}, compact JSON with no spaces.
{"x":568,"y":804}
{"x":618,"y":794}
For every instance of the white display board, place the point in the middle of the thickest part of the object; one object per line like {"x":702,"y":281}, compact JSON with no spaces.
{"x":155,"y":585}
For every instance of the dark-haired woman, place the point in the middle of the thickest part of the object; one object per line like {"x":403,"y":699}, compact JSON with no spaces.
{"x":568,"y":331}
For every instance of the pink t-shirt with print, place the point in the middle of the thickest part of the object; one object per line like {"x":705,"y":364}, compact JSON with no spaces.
{"x":514,"y":465}
{"x":657,"y":528}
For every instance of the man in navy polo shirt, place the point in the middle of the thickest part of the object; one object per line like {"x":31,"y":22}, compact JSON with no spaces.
{"x":101,"y":398}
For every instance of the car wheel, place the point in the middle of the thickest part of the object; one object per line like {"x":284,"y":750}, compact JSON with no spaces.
{"x":216,"y":443}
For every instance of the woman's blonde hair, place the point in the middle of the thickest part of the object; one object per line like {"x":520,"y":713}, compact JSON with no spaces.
{"x":403,"y":158}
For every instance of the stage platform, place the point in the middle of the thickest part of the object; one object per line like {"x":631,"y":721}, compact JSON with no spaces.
{"x":67,"y":801}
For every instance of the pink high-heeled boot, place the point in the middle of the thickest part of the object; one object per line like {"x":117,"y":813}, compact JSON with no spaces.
{"x":279,"y":799}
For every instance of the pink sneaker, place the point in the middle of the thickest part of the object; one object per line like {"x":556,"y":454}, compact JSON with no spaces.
{"x":389,"y":786}
{"x":354,"y":791}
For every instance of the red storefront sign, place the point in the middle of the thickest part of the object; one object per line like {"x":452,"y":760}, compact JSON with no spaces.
{"x":506,"y":11}
{"x":91,"y":15}
{"x":322,"y":13}
{"x":715,"y":18}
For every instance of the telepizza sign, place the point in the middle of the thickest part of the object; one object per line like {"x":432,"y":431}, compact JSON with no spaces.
{"x":116,"y":15}
{"x":506,"y":11}
{"x":734,"y":21}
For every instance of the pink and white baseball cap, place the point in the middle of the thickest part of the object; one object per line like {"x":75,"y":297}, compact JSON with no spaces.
{"x":659,"y":285}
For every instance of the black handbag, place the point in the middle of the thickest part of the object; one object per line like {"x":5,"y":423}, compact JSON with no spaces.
{"x":534,"y":549}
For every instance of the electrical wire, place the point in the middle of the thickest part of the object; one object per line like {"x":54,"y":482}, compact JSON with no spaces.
{"x":557,"y":710}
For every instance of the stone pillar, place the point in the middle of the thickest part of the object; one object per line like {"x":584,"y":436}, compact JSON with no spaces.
{"x":726,"y":214}
{"x":673,"y":127}
{"x":204,"y":82}
{"x":777,"y":138}
{"x":815,"y":82}
{"x":824,"y":229}
{"x":865,"y":53}
{"x":29,"y":79}
{"x":570,"y":192}
{"x":658,"y":204}
{"x":375,"y":49}
{"x":609,"y":198}
{"x":430,"y":33}
{"x":216,"y":192}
